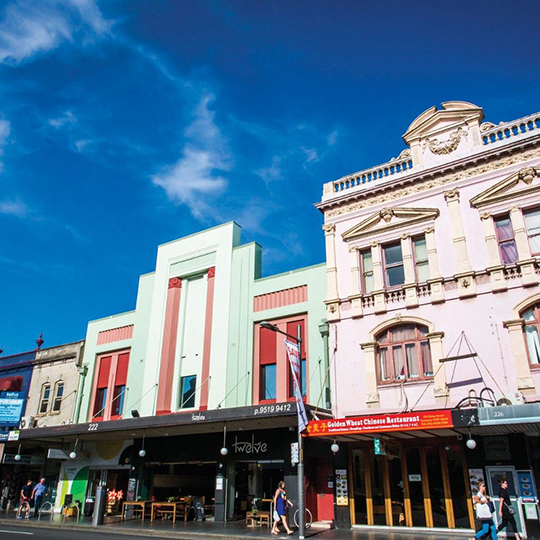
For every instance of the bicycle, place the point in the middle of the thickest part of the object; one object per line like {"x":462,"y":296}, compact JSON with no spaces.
{"x":308,"y":518}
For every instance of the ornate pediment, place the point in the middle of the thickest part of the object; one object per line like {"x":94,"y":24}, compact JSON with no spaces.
{"x":522,"y":183}
{"x":389,"y":219}
{"x":453,"y":117}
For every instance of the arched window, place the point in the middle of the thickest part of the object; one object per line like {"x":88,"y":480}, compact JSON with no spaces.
{"x":403,"y":354}
{"x":532,"y":333}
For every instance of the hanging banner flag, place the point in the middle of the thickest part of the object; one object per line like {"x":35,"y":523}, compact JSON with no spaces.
{"x":296,"y":370}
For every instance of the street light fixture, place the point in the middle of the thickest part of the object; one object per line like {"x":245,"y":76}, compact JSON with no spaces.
{"x":300,"y":470}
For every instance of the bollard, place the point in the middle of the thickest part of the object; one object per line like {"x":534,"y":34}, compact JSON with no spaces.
{"x":99,"y":506}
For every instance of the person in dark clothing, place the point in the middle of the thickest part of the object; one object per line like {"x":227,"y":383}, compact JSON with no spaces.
{"x":506,"y":512}
{"x":26,"y":495}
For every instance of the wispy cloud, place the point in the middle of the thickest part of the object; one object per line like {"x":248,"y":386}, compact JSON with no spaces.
{"x":5,"y":130}
{"x":15,"y":208}
{"x":68,"y":118}
{"x":272,"y":173}
{"x":197,"y":178}
{"x":28,"y":28}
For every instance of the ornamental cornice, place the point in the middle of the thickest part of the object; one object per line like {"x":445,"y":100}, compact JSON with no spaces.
{"x":423,"y":184}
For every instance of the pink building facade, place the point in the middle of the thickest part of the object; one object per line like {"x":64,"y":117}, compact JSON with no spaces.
{"x":433,"y":301}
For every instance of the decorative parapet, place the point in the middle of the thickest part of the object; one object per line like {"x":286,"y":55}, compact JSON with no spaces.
{"x":492,"y":133}
{"x":406,"y":164}
{"x":396,"y":167}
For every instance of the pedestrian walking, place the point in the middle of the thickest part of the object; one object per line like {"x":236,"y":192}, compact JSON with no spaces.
{"x":280,"y":509}
{"x":38,"y":494}
{"x":484,"y":513}
{"x":506,"y":512}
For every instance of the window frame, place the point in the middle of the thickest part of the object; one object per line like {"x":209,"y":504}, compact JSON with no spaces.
{"x":414,"y":239}
{"x":117,"y":372}
{"x":44,"y":387}
{"x":183,"y":405}
{"x":364,"y":272}
{"x":385,"y":266}
{"x":536,"y":323}
{"x":529,"y":235}
{"x":273,"y":352}
{"x":500,"y":242}
{"x":389,"y":345}
{"x":57,"y":386}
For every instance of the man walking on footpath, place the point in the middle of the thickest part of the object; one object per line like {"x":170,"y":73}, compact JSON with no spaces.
{"x":38,"y":495}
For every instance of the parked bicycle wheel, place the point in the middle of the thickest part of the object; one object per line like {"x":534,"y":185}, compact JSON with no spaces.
{"x":309,"y":518}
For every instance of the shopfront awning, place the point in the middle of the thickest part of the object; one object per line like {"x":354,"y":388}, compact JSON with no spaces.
{"x":276,"y":415}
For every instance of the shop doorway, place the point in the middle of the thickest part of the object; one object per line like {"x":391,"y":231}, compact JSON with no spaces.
{"x":116,"y":482}
{"x":410,"y":486}
{"x":249,"y":480}
{"x":508,"y":472}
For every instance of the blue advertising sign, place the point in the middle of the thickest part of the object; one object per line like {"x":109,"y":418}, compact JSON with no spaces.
{"x":11,"y":407}
{"x":527,"y":490}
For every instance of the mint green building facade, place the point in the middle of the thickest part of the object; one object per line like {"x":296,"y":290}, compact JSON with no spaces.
{"x":191,"y":363}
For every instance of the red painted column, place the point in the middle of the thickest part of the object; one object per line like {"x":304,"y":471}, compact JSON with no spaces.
{"x":207,"y":339}
{"x":168,"y":350}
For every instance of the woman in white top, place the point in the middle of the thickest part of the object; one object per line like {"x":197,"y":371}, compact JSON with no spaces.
{"x":484,"y":514}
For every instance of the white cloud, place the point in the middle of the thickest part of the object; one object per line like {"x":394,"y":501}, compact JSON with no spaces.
{"x":82,"y":144}
{"x":5,"y":130}
{"x":15,"y":208}
{"x":68,"y":118}
{"x":196,"y":178}
{"x":272,"y":173}
{"x":29,"y":27}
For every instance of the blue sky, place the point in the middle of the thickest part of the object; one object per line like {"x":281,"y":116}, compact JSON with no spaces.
{"x":124,"y":125}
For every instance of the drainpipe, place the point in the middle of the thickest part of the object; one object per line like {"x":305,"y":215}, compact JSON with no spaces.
{"x":324,"y":331}
{"x":83,"y":370}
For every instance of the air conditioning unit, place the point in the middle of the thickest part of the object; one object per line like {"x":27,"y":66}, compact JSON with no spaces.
{"x":28,"y":422}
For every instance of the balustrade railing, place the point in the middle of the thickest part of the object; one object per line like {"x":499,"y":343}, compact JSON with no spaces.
{"x":491,"y":134}
{"x":391,"y":168}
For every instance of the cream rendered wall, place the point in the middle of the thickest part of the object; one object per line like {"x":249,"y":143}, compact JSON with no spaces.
{"x":59,"y":364}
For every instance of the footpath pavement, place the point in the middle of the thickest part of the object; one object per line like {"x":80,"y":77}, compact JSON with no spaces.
{"x":211,"y":530}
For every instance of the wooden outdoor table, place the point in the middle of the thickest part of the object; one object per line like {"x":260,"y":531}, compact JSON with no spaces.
{"x":175,"y":505}
{"x":141,"y":504}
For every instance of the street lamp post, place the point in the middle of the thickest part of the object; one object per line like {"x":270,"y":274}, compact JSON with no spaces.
{"x":300,"y":470}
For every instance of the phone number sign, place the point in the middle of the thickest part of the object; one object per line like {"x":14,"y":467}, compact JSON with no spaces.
{"x":381,"y":423}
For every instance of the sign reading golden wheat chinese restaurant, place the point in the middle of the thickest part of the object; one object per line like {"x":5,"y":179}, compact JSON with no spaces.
{"x":381,"y":423}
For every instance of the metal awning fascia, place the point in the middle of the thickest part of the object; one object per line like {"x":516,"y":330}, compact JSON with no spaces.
{"x":251,"y":417}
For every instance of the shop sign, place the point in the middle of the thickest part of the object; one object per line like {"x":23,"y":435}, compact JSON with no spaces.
{"x":342,"y":488}
{"x":9,"y":459}
{"x":530,"y":511}
{"x":382,"y":423}
{"x":250,"y":447}
{"x":378,"y":445}
{"x":497,"y":448}
{"x":11,"y":406}
{"x":476,"y":477}
{"x":527,"y":491}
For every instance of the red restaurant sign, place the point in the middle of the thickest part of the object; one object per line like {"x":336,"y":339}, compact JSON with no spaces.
{"x":381,"y":423}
